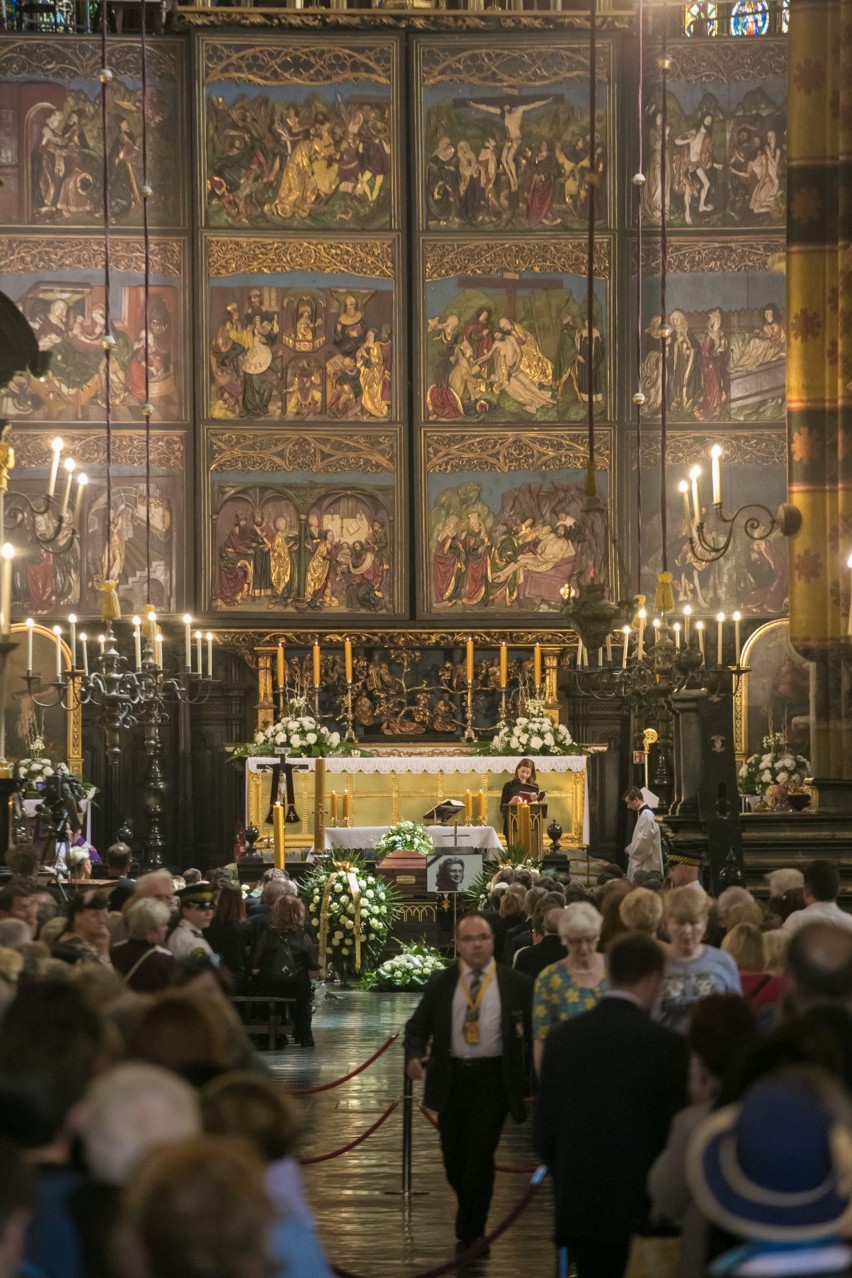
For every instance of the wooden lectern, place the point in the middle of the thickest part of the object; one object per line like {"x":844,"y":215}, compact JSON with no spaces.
{"x":525,"y":827}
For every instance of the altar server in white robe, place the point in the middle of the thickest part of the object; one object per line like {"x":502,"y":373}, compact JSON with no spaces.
{"x":644,"y":851}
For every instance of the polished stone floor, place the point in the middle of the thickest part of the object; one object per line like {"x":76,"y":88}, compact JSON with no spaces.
{"x":363,"y":1222}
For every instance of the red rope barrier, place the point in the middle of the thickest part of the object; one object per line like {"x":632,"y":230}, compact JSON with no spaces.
{"x":459,"y":1262}
{"x":325,"y":1087}
{"x":353,"y":1144}
{"x":500,"y":1167}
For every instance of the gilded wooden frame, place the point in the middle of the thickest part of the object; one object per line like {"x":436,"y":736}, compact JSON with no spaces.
{"x":74,"y":716}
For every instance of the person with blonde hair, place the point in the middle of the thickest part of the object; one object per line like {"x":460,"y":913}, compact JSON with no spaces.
{"x":575,"y":983}
{"x":693,"y":970}
{"x":641,"y":911}
{"x":775,"y":945}
{"x":762,"y":990}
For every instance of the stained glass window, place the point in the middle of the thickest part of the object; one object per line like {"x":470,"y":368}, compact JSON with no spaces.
{"x":750,"y":18}
{"x":700,"y":18}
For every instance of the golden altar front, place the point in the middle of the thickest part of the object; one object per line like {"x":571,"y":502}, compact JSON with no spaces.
{"x":390,"y":787}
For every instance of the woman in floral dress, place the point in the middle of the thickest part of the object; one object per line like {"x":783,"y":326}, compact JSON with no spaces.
{"x":575,"y":983}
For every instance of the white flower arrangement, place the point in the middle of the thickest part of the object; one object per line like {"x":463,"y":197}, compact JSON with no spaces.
{"x":378,"y":909}
{"x":407,"y":836}
{"x":410,"y":969}
{"x":775,"y":765}
{"x":296,"y":733}
{"x":533,"y":733}
{"x":36,"y":767}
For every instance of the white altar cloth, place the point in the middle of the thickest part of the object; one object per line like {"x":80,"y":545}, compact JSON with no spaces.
{"x":443,"y":836}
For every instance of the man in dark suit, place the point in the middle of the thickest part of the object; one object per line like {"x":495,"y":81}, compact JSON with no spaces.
{"x":547,"y":947}
{"x":476,"y":1016}
{"x":610,"y":1084}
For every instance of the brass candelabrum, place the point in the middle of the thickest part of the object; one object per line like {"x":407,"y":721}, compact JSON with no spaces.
{"x":469,"y":734}
{"x":349,"y":717}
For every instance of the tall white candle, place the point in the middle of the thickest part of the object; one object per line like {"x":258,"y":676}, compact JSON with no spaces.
{"x":640,"y":647}
{"x":720,"y":636}
{"x":579,"y":652}
{"x":198,"y":638}
{"x":137,"y":642}
{"x":209,"y":638}
{"x":187,"y":641}
{"x":72,"y":632}
{"x":102,"y":642}
{"x":54,"y":465}
{"x":158,"y":649}
{"x":699,"y":626}
{"x":687,"y":613}
{"x":609,"y":649}
{"x":66,"y":492}
{"x":84,"y":648}
{"x":676,"y":629}
{"x":625,"y":630}
{"x":683,"y":489}
{"x":695,"y":476}
{"x":8,"y":553}
{"x":30,"y":623}
{"x":716,"y":472}
{"x":737,"y":620}
{"x":57,"y":630}
{"x":82,"y":480}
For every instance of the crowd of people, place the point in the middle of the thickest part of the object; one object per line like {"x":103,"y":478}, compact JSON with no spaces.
{"x":691,"y":1064}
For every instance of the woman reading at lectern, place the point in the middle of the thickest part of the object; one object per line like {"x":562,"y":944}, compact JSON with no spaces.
{"x":523,"y":788}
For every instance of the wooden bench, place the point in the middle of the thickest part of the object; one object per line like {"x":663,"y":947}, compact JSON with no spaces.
{"x":273,"y":1025}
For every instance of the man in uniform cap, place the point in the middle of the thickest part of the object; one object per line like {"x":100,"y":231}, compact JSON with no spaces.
{"x":684,"y":871}
{"x":644,"y":851}
{"x":196,"y":913}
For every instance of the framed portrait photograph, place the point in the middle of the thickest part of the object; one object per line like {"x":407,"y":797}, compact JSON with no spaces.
{"x":452,"y":872}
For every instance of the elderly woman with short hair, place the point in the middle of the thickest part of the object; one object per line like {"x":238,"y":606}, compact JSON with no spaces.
{"x":693,"y":970}
{"x":641,"y":911}
{"x":575,"y":983}
{"x":142,"y":959}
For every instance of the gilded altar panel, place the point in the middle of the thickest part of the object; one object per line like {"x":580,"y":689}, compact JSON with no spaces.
{"x":301,"y":330}
{"x":66,"y":576}
{"x":306,"y":524}
{"x":299,"y":133}
{"x":503,"y":134}
{"x":58,"y":283}
{"x":726,"y":303}
{"x":753,"y":576}
{"x":504,"y":330}
{"x":726,"y":145}
{"x":52,"y":139}
{"x":500,"y":513}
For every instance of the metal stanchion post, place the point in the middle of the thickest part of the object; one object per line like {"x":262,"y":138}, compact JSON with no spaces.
{"x":407,"y":1109}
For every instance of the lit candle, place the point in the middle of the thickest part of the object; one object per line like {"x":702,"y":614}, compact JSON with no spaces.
{"x":579,"y":652}
{"x":347,"y":808}
{"x":209,"y":639}
{"x":737,"y":620}
{"x":656,"y":624}
{"x":640,"y":647}
{"x":695,"y":476}
{"x":687,"y":613}
{"x":504,"y":666}
{"x":699,"y":626}
{"x":609,"y":650}
{"x":716,"y":473}
{"x":102,"y":642}
{"x":8,"y":553}
{"x":30,"y":623}
{"x":82,"y":480}
{"x":58,"y":633}
{"x":137,"y":641}
{"x":720,"y":635}
{"x":158,"y":649}
{"x":198,"y":651}
{"x":66,"y":492}
{"x":317,"y":668}
{"x":84,"y":648}
{"x":537,"y":665}
{"x":683,"y":488}
{"x":468,"y":806}
{"x":347,"y":659}
{"x":483,"y":806}
{"x":468,"y":660}
{"x":333,"y":804}
{"x":151,"y":618}
{"x":187,"y":641}
{"x":676,"y":628}
{"x":72,"y":627}
{"x":54,"y":465}
{"x":600,"y":656}
{"x":625,"y":630}
{"x":279,"y":836}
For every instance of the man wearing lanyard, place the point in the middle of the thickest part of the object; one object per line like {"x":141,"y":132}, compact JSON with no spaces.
{"x":470,"y":1035}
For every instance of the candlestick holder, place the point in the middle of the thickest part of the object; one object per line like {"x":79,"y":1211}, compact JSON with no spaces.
{"x":503,"y":704}
{"x":316,"y":701}
{"x":469,"y":734}
{"x":349,"y":734}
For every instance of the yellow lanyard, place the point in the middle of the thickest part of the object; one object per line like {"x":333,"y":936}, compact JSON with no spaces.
{"x":473,"y":1004}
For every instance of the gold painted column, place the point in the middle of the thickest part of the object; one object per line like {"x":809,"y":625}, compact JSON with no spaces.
{"x":819,"y":372}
